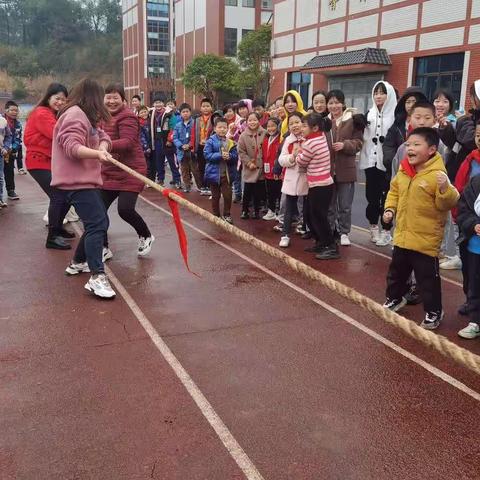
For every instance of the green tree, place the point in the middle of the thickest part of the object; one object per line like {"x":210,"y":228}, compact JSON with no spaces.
{"x":211,"y":76}
{"x":255,"y":59}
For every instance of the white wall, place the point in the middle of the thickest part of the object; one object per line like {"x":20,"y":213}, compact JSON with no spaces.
{"x":442,"y":38}
{"x":307,"y":12}
{"x":179,"y":19}
{"x":363,"y":27}
{"x":331,"y":34}
{"x":240,"y":17}
{"x":400,"y":19}
{"x":283,"y":16}
{"x":436,"y":12}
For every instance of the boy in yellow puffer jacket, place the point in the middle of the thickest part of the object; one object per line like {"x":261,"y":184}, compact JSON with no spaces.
{"x":420,"y":198}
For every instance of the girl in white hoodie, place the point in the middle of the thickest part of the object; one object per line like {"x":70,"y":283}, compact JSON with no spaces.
{"x":379,"y":119}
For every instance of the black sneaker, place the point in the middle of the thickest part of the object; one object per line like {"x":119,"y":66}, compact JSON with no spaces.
{"x":464,"y":309}
{"x":432,"y":320}
{"x":328,"y":253}
{"x":57,"y":243}
{"x":228,"y":219}
{"x":395,"y":304}
{"x":307,"y":236}
{"x":66,"y":234}
{"x":244,"y":216}
{"x":316,"y":248}
{"x":413,"y":296}
{"x":12,"y":195}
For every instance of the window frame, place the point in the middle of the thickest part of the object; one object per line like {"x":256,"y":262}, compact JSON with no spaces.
{"x":228,"y":51}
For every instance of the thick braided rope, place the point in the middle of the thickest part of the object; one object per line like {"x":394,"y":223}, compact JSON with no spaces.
{"x":438,"y":342}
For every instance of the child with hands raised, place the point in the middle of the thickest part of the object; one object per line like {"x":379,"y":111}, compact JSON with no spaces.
{"x":420,"y":198}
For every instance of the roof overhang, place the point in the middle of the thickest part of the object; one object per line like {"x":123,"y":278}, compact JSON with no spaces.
{"x":355,"y":61}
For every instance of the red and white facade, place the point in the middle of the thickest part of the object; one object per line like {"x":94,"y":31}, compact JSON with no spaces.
{"x":201,"y":27}
{"x":409,"y":30}
{"x":147,"y":53}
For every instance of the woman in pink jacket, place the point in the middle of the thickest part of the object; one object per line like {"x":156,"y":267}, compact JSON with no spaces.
{"x":79,"y":147}
{"x":124,"y":131}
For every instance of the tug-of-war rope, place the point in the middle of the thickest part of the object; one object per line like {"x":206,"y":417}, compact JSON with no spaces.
{"x":433,"y":340}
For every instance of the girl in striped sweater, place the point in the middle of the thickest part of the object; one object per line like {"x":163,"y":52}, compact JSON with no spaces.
{"x":315,"y":157}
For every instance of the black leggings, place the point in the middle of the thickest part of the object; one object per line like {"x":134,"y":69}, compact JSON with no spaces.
{"x":59,"y":204}
{"x":126,"y":210}
{"x":252,"y":190}
{"x":319,"y":199}
{"x":376,"y":189}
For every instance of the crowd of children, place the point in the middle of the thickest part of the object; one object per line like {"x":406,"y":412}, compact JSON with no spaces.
{"x":297,"y":166}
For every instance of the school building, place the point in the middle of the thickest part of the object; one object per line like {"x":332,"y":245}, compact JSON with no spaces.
{"x":213,"y":26}
{"x":148,"y":48}
{"x":351,"y":44}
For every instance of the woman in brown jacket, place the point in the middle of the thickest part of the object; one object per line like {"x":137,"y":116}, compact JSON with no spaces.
{"x":250,"y":154}
{"x":347,"y":141}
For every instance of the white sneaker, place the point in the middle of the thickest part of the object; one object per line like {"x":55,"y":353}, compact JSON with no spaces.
{"x":453,"y":263}
{"x":72,"y":216}
{"x":284,"y":242}
{"x":344,"y":240}
{"x":374,"y":233}
{"x":76,"y":268}
{"x":107,"y":254}
{"x":269,"y":216}
{"x":145,"y":245}
{"x":384,"y":239}
{"x":472,"y":330}
{"x":22,"y":171}
{"x":45,"y":219}
{"x":100,"y":286}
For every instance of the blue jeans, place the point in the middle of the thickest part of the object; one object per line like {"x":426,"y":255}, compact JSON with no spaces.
{"x":91,"y":210}
{"x":237,"y":184}
{"x":160,"y":155}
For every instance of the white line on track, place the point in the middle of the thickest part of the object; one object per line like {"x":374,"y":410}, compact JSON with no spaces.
{"x":383,"y":255}
{"x":430,"y":368}
{"x":222,"y":431}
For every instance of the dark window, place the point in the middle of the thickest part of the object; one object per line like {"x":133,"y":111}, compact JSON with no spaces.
{"x":157,"y":36}
{"x":231,"y":3}
{"x":230,"y":42}
{"x":301,"y":83}
{"x":158,"y":65}
{"x":440,"y":71}
{"x":248,"y":3}
{"x":155,"y":9}
{"x":267,"y":4}
{"x":245,"y":32}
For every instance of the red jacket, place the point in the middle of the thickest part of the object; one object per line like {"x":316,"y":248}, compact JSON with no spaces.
{"x":270,"y":154}
{"x":38,"y":138}
{"x":124,"y":132}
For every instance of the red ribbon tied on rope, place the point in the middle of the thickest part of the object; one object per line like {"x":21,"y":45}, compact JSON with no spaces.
{"x":182,"y":237}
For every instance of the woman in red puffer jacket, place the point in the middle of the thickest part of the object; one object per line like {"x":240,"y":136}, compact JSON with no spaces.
{"x":124,"y":132}
{"x":38,"y":139}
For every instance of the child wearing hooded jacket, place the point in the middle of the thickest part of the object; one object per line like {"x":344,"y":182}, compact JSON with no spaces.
{"x":379,"y":120}
{"x":292,"y":102}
